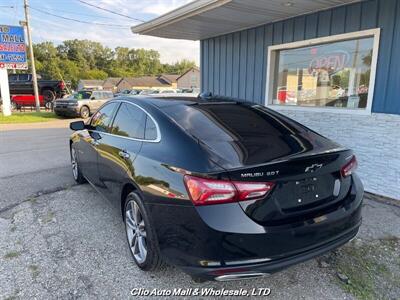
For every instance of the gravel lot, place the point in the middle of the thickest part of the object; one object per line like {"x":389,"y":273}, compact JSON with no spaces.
{"x":59,"y":240}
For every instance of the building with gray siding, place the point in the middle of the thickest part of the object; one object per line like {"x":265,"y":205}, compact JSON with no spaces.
{"x":331,"y":65}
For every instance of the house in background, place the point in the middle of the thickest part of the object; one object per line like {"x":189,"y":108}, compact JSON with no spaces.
{"x":145,"y":82}
{"x":171,"y":79}
{"x":118,"y":84}
{"x":332,"y":65}
{"x":189,"y":79}
{"x":111,"y":84}
{"x":90,"y":84}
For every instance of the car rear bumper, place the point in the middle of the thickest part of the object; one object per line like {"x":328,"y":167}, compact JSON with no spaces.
{"x":251,"y":270}
{"x":221,"y":240}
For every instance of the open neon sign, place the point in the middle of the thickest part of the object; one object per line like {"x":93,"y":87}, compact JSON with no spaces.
{"x":332,"y":62}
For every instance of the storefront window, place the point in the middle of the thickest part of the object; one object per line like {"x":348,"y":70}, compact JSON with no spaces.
{"x":335,"y":74}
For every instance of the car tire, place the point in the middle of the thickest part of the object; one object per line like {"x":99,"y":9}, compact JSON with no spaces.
{"x":84,"y":112}
{"x":140,"y":234}
{"x":76,"y":171}
{"x":48,"y":95}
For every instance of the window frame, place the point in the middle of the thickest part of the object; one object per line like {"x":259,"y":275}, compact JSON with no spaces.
{"x":111,"y":117}
{"x":272,"y":59}
{"x":119,"y":103}
{"x":115,"y":117}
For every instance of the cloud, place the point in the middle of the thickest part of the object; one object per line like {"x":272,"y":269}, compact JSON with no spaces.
{"x":170,"y":50}
{"x":58,"y":30}
{"x":151,"y":7}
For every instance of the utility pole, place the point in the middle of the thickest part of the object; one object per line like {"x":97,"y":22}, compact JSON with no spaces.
{"x":34,"y":77}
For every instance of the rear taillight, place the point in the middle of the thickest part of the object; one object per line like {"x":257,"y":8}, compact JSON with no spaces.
{"x":209,"y":191}
{"x":205,"y":191}
{"x":349,"y":167}
{"x":252,"y":190}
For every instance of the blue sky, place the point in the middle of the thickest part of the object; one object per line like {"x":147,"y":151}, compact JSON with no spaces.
{"x":49,"y":28}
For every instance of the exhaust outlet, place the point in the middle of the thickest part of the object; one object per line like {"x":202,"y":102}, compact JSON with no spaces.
{"x":229,"y":277}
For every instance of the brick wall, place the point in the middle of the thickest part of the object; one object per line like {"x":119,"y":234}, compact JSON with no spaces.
{"x":374,"y":138}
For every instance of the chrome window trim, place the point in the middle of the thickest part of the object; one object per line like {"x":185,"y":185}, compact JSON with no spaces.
{"x":156,"y":140}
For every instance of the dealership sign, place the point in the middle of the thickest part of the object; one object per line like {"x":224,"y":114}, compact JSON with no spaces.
{"x":12,"y":47}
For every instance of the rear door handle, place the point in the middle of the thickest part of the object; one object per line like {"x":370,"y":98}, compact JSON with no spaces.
{"x":124,"y":154}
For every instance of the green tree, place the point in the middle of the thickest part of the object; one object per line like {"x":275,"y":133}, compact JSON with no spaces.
{"x":179,"y":67}
{"x":73,"y":60}
{"x":95,"y":74}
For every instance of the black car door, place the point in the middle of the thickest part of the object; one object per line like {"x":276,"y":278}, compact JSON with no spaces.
{"x":118,"y":150}
{"x":90,"y":140}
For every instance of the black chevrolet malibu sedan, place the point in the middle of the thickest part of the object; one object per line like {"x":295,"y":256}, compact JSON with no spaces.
{"x":221,"y":188}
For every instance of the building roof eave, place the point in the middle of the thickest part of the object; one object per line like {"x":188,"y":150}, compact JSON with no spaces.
{"x":183,"y":12}
{"x":203,"y":19}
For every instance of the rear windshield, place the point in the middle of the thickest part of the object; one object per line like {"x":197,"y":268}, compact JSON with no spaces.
{"x":245,"y":135}
{"x":230,"y":122}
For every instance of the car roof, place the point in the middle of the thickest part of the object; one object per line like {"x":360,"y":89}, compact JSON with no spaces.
{"x":167,"y":101}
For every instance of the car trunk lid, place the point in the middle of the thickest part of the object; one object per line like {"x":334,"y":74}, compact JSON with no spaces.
{"x":302,"y":186}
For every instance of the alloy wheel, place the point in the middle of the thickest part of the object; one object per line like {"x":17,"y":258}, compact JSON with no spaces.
{"x":136,"y":231}
{"x":74,"y":164}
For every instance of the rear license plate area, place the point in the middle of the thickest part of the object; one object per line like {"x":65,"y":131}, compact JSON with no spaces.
{"x":301,"y":193}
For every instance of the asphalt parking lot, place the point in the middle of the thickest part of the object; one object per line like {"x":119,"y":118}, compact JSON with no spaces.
{"x":34,"y":159}
{"x":60,"y":240}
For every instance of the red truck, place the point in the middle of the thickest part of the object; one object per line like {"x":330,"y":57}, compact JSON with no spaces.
{"x":18,"y":101}
{"x":21,"y":84}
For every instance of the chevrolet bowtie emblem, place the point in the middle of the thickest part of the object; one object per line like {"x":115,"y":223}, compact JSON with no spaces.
{"x":313,"y":168}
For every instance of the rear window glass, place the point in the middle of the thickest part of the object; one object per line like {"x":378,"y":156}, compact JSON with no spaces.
{"x":228,"y":122}
{"x":151,"y":130}
{"x":130,"y":121}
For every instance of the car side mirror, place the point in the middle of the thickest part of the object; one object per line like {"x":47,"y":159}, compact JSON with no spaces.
{"x":77,"y":125}
{"x":93,"y":98}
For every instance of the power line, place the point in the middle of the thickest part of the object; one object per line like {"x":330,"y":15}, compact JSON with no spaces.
{"x":79,"y":21}
{"x":59,"y":25}
{"x":111,"y":11}
{"x":72,"y":12}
